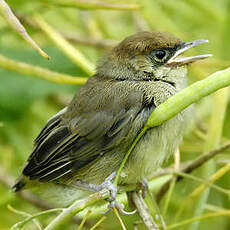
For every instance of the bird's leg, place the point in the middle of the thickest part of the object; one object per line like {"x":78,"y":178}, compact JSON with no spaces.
{"x":143,"y":186}
{"x":107,"y":184}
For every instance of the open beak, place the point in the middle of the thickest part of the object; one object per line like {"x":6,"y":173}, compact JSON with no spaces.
{"x":180,"y":60}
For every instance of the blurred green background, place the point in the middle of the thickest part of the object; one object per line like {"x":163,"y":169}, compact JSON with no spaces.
{"x":27,"y":102}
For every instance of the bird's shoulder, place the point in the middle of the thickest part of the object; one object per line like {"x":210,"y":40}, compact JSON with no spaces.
{"x":100,"y":94}
{"x":100,"y":104}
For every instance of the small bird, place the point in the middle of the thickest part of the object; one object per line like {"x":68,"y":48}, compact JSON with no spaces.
{"x":84,"y":144}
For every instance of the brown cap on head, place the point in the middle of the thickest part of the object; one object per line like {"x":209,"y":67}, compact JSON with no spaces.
{"x":145,"y":42}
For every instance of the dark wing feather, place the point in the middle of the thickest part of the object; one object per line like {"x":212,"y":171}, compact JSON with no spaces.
{"x":68,"y":143}
{"x":52,"y":123}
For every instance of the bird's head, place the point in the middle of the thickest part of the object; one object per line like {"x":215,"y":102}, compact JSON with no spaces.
{"x":148,"y":56}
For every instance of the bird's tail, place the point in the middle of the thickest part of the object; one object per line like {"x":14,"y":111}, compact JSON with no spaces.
{"x":19,"y":185}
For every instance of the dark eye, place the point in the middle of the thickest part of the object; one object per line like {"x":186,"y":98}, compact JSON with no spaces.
{"x":160,"y":54}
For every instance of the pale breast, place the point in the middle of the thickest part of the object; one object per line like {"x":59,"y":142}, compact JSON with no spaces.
{"x":153,"y":149}
{"x":159,"y":142}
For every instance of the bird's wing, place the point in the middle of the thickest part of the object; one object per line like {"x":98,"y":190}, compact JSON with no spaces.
{"x":68,"y":143}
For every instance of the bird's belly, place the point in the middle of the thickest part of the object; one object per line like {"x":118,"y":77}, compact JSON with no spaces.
{"x":155,"y":147}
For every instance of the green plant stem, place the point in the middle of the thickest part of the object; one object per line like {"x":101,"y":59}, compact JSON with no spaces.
{"x":98,"y":223}
{"x":45,"y":74}
{"x":20,"y":224}
{"x":84,"y":220}
{"x":217,"y":175}
{"x":127,"y":155}
{"x":187,"y":167}
{"x":204,"y":183}
{"x":73,"y":53}
{"x":74,"y":37}
{"x":25,"y":215}
{"x":119,"y":218}
{"x":76,"y":207}
{"x":198,"y":218}
{"x":172,"y":182}
{"x":95,"y":5}
{"x":18,"y":27}
{"x":169,"y":195}
{"x":219,"y":105}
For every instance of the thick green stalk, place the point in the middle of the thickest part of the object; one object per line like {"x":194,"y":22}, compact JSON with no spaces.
{"x":188,"y":96}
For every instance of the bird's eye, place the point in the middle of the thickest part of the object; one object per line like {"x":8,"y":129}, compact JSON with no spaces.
{"x":158,"y":55}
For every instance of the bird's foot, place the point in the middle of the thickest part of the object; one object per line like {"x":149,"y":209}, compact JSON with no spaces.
{"x":113,"y":202}
{"x":113,"y":194}
{"x":107,"y":184}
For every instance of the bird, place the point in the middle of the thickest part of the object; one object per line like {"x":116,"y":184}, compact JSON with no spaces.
{"x":84,"y":144}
